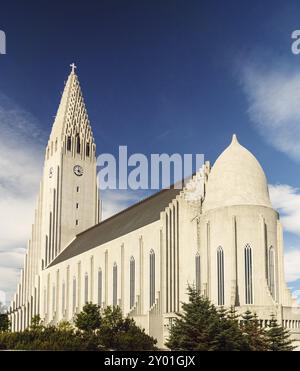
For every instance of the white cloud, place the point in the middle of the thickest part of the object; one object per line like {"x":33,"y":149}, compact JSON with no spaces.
{"x":21,"y":151}
{"x":114,"y":201}
{"x":286,"y":200}
{"x":273,"y":95}
{"x":292,"y":264}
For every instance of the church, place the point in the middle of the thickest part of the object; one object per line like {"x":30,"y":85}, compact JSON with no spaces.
{"x":218,"y":232}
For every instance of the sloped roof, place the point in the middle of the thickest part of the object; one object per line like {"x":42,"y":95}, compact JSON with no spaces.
{"x":140,"y":214}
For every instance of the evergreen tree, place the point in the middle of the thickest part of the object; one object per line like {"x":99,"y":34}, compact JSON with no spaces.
{"x":229,"y":337}
{"x":89,"y":319}
{"x":200,"y":326}
{"x":4,"y":322}
{"x":194,"y":328}
{"x":253,"y":332}
{"x":36,"y":324}
{"x":120,"y":333}
{"x":278,"y":337}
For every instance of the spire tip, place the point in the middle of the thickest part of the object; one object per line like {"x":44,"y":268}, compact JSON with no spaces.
{"x":73,"y":67}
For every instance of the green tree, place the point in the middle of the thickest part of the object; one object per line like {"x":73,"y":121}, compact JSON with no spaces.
{"x":278,"y":337}
{"x":65,"y":326}
{"x":254,"y":333}
{"x":89,"y":319}
{"x":4,"y":322}
{"x":196,"y":326}
{"x":120,"y":333}
{"x":36,"y":324}
{"x":228,"y":335}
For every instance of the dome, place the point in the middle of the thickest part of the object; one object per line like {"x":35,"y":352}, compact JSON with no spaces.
{"x":236,"y":178}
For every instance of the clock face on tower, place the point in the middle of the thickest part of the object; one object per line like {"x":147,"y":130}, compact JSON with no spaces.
{"x":78,"y":170}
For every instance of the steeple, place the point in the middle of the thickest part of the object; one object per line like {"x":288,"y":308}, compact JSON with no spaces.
{"x":70,"y":202}
{"x":71,"y":129}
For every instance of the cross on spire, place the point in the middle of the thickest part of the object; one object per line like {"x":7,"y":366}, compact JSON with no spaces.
{"x":73,"y":66}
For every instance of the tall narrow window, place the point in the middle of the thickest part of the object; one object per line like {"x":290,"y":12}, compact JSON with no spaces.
{"x":248,"y":275}
{"x":45,"y":301}
{"x":152,"y":278}
{"x":77,"y":143}
{"x":69,"y":143}
{"x":220,"y":275}
{"x":88,"y":150}
{"x":197,"y":269}
{"x":53,"y":300}
{"x":132,"y":281}
{"x":63,"y":298}
{"x":115,"y":284}
{"x":74,"y":295}
{"x":86,"y":288}
{"x":100,"y":287}
{"x":271,"y":271}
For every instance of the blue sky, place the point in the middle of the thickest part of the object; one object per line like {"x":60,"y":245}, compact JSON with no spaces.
{"x":159,"y":76}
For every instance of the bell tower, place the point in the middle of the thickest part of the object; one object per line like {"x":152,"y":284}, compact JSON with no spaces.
{"x":70,"y":202}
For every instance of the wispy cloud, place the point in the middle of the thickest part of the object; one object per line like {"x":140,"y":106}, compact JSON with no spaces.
{"x":21,"y":152}
{"x":291,"y":264}
{"x":286,"y":200}
{"x":114,"y":201}
{"x":273,"y":94}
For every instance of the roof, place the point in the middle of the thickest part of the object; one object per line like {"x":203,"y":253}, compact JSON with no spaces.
{"x":136,"y":216}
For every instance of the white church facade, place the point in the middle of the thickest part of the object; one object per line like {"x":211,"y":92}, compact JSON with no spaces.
{"x":227,"y":240}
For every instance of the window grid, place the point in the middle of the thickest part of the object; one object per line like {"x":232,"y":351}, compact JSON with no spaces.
{"x":197,"y":268}
{"x":152,"y":278}
{"x":86,"y":288}
{"x":63,"y":300}
{"x":74,"y":295}
{"x":272,"y":271}
{"x":115,"y":285}
{"x":248,"y":275}
{"x":220,"y":273}
{"x":100,"y":287}
{"x":132,"y":281}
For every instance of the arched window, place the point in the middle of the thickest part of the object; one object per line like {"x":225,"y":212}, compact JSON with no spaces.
{"x":115,"y":284}
{"x":53,"y":299}
{"x":63,"y":299}
{"x":132,"y":281}
{"x":152,"y":278}
{"x":69,"y":144}
{"x":271,"y":271}
{"x":45,"y":301}
{"x":86,"y":288}
{"x":248,"y":275}
{"x":88,"y":150}
{"x":77,"y":143}
{"x":197,"y":270}
{"x":74,"y":295}
{"x":220,"y":275}
{"x":100,"y":287}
